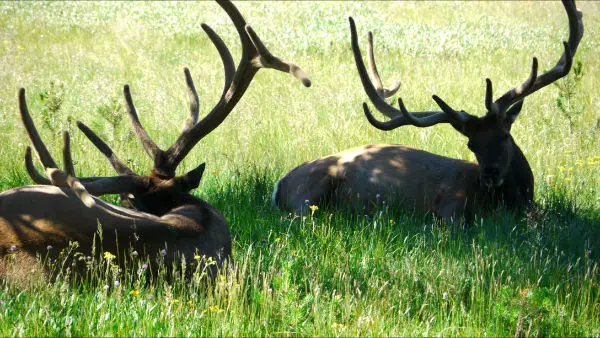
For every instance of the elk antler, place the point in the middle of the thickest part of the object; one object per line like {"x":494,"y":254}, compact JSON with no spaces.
{"x":398,"y":117}
{"x":383,"y":92}
{"x":255,"y":56}
{"x":112,"y":158}
{"x":56,"y":176}
{"x":82,"y":187}
{"x":458,"y":118}
{"x":534,"y":82}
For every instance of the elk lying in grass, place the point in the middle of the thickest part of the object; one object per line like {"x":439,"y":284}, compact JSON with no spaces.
{"x":415,"y":178}
{"x":169,"y":217}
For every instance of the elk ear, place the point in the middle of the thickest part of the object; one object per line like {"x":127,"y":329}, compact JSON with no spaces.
{"x":512,"y":113}
{"x":191,"y":180}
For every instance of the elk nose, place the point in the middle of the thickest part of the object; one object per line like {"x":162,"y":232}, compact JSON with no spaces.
{"x":490,"y":176}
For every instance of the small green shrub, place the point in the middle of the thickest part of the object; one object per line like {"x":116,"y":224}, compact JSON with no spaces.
{"x":52,"y":100}
{"x":568,"y":100}
{"x":111,"y":111}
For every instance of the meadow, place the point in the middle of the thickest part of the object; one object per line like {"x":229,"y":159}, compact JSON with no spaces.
{"x":395,"y":273}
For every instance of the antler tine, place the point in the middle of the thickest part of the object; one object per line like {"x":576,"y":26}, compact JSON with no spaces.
{"x":254,"y":57}
{"x":94,"y":185}
{"x":227,"y":60}
{"x":71,"y":179}
{"x":149,"y":146}
{"x":398,"y":117}
{"x":561,"y":69}
{"x":112,"y":158}
{"x":34,"y":136}
{"x":254,"y":50}
{"x":267,"y":60}
{"x":500,"y":106}
{"x":33,"y":173}
{"x":67,"y":159}
{"x":451,"y":116}
{"x":383,"y":125}
{"x":383,"y":92}
{"x":194,"y":101}
{"x":55,"y":176}
{"x":228,"y":69}
{"x":409,"y":118}
{"x":371,"y":91}
{"x":491,"y":107}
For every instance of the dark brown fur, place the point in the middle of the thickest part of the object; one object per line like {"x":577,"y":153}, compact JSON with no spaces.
{"x":192,"y":228}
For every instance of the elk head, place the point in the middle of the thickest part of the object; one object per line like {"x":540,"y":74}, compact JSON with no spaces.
{"x":489,"y":136}
{"x":159,"y":191}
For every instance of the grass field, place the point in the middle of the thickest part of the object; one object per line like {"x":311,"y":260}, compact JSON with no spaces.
{"x":396,"y":273}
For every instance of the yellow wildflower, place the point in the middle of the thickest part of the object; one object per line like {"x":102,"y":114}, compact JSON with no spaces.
{"x":197,"y":257}
{"x":174,"y":300}
{"x":313,"y":208}
{"x":337,"y":326}
{"x":108,"y":256}
{"x":134,"y":292}
{"x":277,"y":239}
{"x":392,"y":222}
{"x":561,"y":168}
{"x":213,"y":308}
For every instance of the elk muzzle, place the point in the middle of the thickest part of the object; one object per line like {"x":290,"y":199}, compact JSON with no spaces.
{"x":491,"y":177}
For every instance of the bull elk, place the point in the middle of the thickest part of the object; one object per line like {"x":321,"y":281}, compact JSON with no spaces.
{"x":168,"y":217}
{"x":413,"y":178}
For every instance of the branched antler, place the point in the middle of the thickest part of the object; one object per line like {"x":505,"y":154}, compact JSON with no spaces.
{"x":401,"y":117}
{"x":255,"y":56}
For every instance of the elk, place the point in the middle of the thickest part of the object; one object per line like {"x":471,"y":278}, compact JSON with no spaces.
{"x":65,"y":209}
{"x":412,"y":178}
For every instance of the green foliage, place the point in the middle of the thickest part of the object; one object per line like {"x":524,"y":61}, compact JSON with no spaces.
{"x":568,"y":100}
{"x":52,"y":100}
{"x":112,"y":112}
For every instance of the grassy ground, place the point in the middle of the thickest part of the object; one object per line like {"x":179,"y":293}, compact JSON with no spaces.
{"x":333,"y":273}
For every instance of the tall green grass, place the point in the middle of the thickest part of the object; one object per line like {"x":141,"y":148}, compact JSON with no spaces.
{"x":397,"y":272}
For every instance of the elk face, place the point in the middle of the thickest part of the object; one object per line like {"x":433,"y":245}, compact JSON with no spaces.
{"x":161,"y":194}
{"x":491,"y":142}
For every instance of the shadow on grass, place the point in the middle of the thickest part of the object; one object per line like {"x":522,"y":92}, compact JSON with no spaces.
{"x":514,"y":270}
{"x":554,"y":223}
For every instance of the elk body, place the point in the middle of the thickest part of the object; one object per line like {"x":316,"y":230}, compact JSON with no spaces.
{"x":162,"y":214}
{"x":414,"y":178}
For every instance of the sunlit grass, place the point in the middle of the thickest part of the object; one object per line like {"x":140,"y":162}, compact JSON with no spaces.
{"x":396,"y":273}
